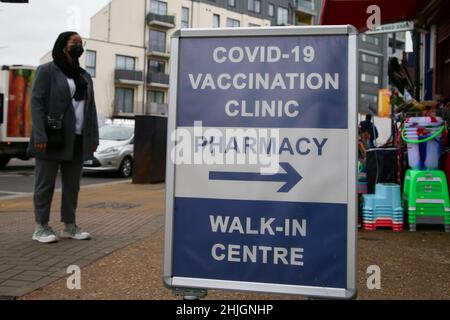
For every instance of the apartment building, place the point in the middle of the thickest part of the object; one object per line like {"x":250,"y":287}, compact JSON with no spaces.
{"x":128,"y":50}
{"x":375,"y":50}
{"x":372,"y":70}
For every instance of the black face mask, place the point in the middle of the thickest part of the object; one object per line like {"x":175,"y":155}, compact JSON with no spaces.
{"x":76,"y":51}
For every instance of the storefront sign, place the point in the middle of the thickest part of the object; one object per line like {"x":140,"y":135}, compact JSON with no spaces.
{"x":393,"y":28}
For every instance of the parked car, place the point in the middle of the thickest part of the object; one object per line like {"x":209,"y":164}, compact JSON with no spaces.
{"x":115,"y":150}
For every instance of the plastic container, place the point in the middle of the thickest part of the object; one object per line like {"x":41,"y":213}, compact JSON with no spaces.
{"x":423,"y":122}
{"x":423,"y":151}
{"x":423,"y":137}
{"x":433,"y":153}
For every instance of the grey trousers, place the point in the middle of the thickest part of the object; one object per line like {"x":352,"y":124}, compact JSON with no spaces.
{"x":45,"y":177}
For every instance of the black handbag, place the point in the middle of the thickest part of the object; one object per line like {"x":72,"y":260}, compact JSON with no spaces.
{"x":55,"y":132}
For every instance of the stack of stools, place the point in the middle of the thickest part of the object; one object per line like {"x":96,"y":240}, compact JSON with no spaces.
{"x":426,"y":196}
{"x":384,"y":208}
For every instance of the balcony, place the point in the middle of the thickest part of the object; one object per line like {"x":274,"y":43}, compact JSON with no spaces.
{"x":305,"y":14}
{"x":154,"y":108}
{"x":158,"y":50}
{"x":158,"y":79}
{"x":129,"y":76}
{"x":283,"y":24}
{"x":162,"y":21}
{"x":306,"y":6}
{"x":127,"y":110}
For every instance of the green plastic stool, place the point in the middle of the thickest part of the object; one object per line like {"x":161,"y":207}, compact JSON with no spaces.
{"x":425,"y":195}
{"x":423,"y":185}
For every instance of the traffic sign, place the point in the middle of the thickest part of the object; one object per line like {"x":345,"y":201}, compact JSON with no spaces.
{"x":262,"y":160}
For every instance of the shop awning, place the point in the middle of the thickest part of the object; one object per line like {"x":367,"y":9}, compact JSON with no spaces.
{"x":354,"y":12}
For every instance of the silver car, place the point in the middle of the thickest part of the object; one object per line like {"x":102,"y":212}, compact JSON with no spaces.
{"x":115,"y":150}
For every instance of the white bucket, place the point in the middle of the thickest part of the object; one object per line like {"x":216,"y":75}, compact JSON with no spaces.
{"x":432,"y":156}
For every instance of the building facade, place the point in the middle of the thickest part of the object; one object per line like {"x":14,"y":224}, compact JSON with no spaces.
{"x":307,"y":12}
{"x":372,"y":70}
{"x":128,"y":51}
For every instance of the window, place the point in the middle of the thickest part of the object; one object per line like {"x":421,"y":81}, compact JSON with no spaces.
{"x":232,"y":23}
{"x":216,"y":21}
{"x":283,"y":16}
{"x":254,"y":6}
{"x":370,"y":98}
{"x":155,"y":97}
{"x":125,"y":63}
{"x":157,"y":41}
{"x":232,"y":3}
{"x":369,"y":78}
{"x":184,"y":17}
{"x":370,"y":58}
{"x":370,"y":39}
{"x":156,"y":66}
{"x":115,"y":133}
{"x":91,"y":61}
{"x":308,"y":4}
{"x":124,"y":100}
{"x":271,"y":10}
{"x":158,"y":7}
{"x":306,"y":20}
{"x":258,"y":6}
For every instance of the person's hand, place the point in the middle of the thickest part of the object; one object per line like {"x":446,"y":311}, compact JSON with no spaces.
{"x":41,"y":147}
{"x":94,"y":148}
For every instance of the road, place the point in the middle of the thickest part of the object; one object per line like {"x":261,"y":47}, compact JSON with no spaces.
{"x":18,"y":178}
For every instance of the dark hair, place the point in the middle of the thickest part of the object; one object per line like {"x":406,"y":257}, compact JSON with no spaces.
{"x":60,"y":43}
{"x":72,"y":71}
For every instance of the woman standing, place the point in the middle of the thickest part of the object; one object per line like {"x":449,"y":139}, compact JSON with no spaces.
{"x":64,"y":134}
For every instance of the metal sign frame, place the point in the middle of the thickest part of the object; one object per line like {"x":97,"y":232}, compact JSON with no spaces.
{"x":176,"y":282}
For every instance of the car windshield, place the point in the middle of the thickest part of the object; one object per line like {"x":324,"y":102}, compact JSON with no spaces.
{"x":116,"y":133}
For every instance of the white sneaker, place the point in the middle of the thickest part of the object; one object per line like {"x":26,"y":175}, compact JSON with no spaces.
{"x":72,"y":231}
{"x":44,"y":234}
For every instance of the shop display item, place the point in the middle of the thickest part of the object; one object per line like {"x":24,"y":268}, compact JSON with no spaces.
{"x":426,"y":198}
{"x":384,"y":208}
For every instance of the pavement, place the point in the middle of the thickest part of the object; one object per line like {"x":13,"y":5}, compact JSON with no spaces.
{"x":124,"y":260}
{"x":116,"y":214}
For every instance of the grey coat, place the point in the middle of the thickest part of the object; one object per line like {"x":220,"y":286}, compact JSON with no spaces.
{"x":51,"y":95}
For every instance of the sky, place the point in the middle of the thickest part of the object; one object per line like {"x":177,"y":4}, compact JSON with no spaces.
{"x":28,"y":31}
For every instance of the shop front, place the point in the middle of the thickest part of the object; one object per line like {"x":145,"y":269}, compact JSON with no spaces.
{"x":404,"y":183}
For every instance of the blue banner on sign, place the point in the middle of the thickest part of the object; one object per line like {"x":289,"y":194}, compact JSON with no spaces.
{"x":264,"y":82}
{"x":288,"y":243}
